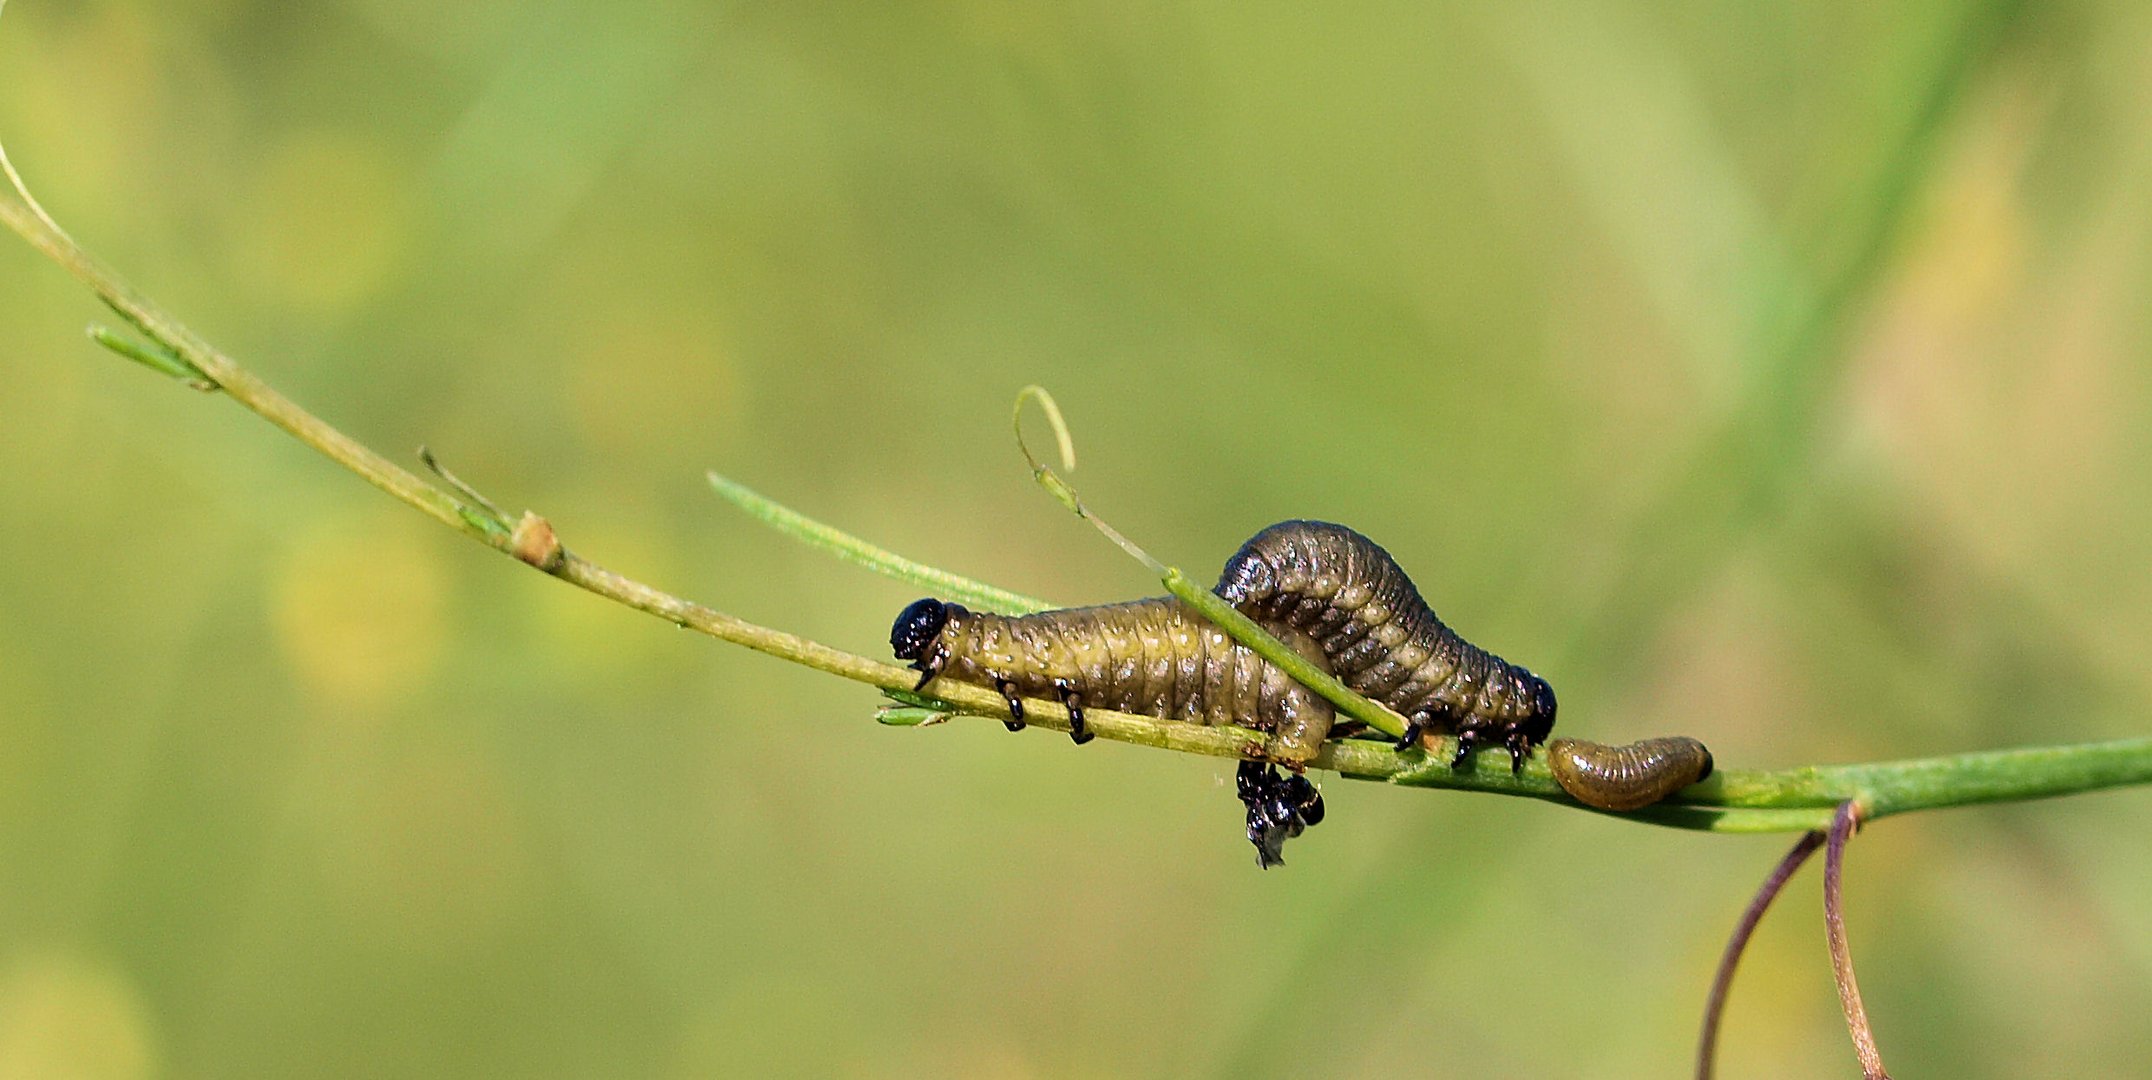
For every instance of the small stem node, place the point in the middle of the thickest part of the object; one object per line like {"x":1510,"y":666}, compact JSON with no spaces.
{"x":534,"y":542}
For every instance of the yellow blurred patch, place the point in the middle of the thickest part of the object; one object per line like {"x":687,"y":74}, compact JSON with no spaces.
{"x":653,"y":387}
{"x":360,"y":609}
{"x":1781,"y":1001}
{"x":421,"y":843}
{"x":65,"y":1016}
{"x":85,"y":138}
{"x":755,"y":1029}
{"x":26,"y":730}
{"x":328,"y":223}
{"x":1976,"y":239}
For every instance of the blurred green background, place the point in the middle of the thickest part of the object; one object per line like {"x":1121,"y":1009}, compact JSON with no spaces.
{"x":1773,"y":373}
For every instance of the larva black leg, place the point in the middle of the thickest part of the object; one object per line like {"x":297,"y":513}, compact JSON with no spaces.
{"x":1267,"y":833}
{"x":1007,"y":689}
{"x":1257,"y":784}
{"x":1467,"y":741}
{"x":1519,"y":743}
{"x":1269,"y":841}
{"x":928,"y":666}
{"x":1307,"y":802}
{"x":1413,"y":727}
{"x":1072,"y":698}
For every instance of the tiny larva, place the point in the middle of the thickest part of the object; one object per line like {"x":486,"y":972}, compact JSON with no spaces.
{"x":1627,"y":777}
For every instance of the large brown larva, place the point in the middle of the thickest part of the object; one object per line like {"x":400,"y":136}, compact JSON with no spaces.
{"x":1383,"y":640}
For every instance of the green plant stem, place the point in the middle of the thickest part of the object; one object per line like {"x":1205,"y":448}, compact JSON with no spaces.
{"x":881,"y":560}
{"x":1797,"y":799}
{"x":1895,"y":787}
{"x":1239,"y":627}
{"x":2033,"y":772}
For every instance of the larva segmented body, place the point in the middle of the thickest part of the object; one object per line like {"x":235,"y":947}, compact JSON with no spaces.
{"x":1627,"y":777}
{"x":1157,"y":657}
{"x":1383,"y":640}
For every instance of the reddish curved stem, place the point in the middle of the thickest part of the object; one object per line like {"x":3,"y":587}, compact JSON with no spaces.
{"x":1715,"y":1007}
{"x":1843,"y":825}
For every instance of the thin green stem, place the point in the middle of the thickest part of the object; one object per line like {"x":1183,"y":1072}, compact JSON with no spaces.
{"x":1236,"y":625}
{"x":1062,"y":491}
{"x":1896,"y":787}
{"x":881,"y":560}
{"x":2033,"y":772}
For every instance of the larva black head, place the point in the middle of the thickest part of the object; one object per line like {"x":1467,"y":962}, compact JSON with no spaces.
{"x":1705,"y":770}
{"x":1541,"y":699}
{"x":917,"y":626}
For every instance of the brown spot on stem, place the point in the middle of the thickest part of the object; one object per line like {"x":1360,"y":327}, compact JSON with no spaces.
{"x":533,"y":542}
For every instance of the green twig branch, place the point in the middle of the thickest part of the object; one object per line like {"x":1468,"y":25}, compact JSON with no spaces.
{"x":1799,"y":799}
{"x":1236,"y":625}
{"x":852,"y":549}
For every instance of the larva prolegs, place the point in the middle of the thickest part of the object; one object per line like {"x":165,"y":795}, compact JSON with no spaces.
{"x":1072,"y":700}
